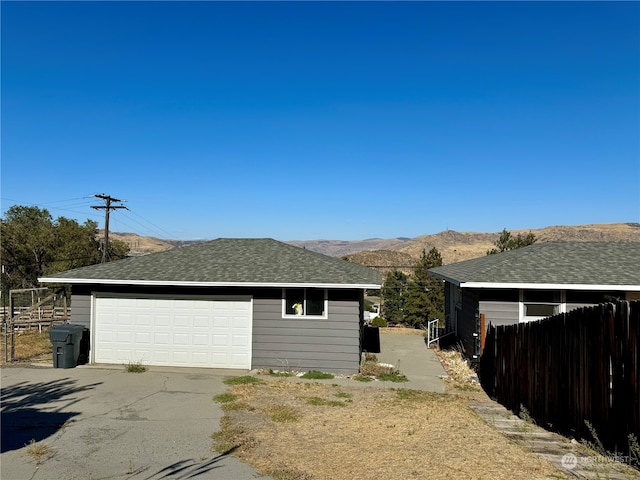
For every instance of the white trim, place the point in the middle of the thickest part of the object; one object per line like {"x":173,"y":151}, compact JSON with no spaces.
{"x":169,"y":296}
{"x":318,"y":317}
{"x":551,"y":286}
{"x":89,"y":281}
{"x":562,"y":306}
{"x":92,"y":330}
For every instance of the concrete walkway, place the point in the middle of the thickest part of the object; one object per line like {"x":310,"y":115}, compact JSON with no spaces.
{"x":410,"y":355}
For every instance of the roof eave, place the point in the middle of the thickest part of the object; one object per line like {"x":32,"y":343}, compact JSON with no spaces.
{"x":158,"y":283}
{"x":446,"y":278}
{"x":547,"y":286}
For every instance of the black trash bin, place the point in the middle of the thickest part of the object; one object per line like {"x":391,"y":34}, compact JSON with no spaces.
{"x":66,"y":345}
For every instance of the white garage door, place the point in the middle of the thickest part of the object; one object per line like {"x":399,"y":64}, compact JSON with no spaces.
{"x":190,"y":332}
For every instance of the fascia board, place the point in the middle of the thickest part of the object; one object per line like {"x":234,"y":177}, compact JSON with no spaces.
{"x":91,"y":281}
{"x":551,"y":286}
{"x":448,"y":279}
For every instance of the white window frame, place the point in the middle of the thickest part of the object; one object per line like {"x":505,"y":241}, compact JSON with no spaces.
{"x":325,"y":308}
{"x":562,"y":306}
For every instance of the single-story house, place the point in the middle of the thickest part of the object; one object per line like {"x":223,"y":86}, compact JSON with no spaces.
{"x":535,"y":282}
{"x":226,"y":303}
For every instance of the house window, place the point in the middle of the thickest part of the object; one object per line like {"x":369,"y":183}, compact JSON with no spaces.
{"x":537,"y":304}
{"x":306,"y":302}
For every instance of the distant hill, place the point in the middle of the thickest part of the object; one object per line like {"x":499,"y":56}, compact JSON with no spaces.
{"x":453,"y":246}
{"x":140,"y":245}
{"x":340,"y":248}
{"x":457,"y":246}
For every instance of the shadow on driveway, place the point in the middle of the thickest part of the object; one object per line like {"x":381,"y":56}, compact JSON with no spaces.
{"x":186,"y":469}
{"x":35,"y":411}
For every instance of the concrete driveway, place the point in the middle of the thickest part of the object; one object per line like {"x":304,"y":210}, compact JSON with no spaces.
{"x":109,"y":424}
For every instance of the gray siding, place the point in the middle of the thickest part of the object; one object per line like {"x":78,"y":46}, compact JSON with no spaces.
{"x":500,"y":313}
{"x":330,"y":345}
{"x":81,"y":310}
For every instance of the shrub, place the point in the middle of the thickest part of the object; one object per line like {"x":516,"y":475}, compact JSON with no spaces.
{"x":379,"y":322}
{"x":135,"y":367}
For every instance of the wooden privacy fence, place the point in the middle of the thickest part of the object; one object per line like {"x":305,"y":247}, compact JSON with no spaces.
{"x":576,"y":366}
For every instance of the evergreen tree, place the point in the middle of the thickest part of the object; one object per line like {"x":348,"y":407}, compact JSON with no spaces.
{"x":507,"y":242}
{"x":394,"y":291}
{"x":425,"y":298}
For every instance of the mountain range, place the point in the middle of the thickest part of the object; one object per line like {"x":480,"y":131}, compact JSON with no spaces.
{"x":403,"y":252}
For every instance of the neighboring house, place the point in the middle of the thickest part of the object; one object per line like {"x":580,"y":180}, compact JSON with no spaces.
{"x":535,"y":282}
{"x":227,"y":303}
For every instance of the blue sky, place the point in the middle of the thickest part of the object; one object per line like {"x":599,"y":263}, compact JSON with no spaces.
{"x":335,"y":120}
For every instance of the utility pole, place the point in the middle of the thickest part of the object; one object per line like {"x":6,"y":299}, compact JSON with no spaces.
{"x":107,"y":207}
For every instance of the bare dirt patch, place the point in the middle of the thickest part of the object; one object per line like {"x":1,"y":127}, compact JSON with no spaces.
{"x":401,"y":331}
{"x":356,"y":432}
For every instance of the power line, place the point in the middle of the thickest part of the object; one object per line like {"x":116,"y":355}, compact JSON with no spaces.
{"x":158,"y":228}
{"x":107,"y":207}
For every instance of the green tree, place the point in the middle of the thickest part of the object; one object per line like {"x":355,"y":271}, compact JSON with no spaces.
{"x":76,"y":245}
{"x":118,"y":250}
{"x":394,"y":291}
{"x":33,"y":245}
{"x":425,"y":298}
{"x":28,"y":243}
{"x":506,"y":242}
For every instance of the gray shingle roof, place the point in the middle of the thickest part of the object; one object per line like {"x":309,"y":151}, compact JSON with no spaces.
{"x":553,"y":263}
{"x":227,"y":261}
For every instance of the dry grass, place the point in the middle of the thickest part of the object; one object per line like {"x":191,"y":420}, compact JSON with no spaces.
{"x":39,"y":452}
{"x":30,"y":345}
{"x":377,"y":434}
{"x":401,"y":331}
{"x":461,"y":377}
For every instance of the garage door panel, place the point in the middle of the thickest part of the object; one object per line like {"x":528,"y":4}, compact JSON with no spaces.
{"x":182,"y":332}
{"x":143,"y":338}
{"x":239,"y":340}
{"x":124,"y":336}
{"x":220,"y":322}
{"x":181,"y":339}
{"x":161,"y":339}
{"x":144,"y":319}
{"x":201,"y":321}
{"x":200,"y":340}
{"x":181,"y":320}
{"x":220,"y":340}
{"x":237,"y":360}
